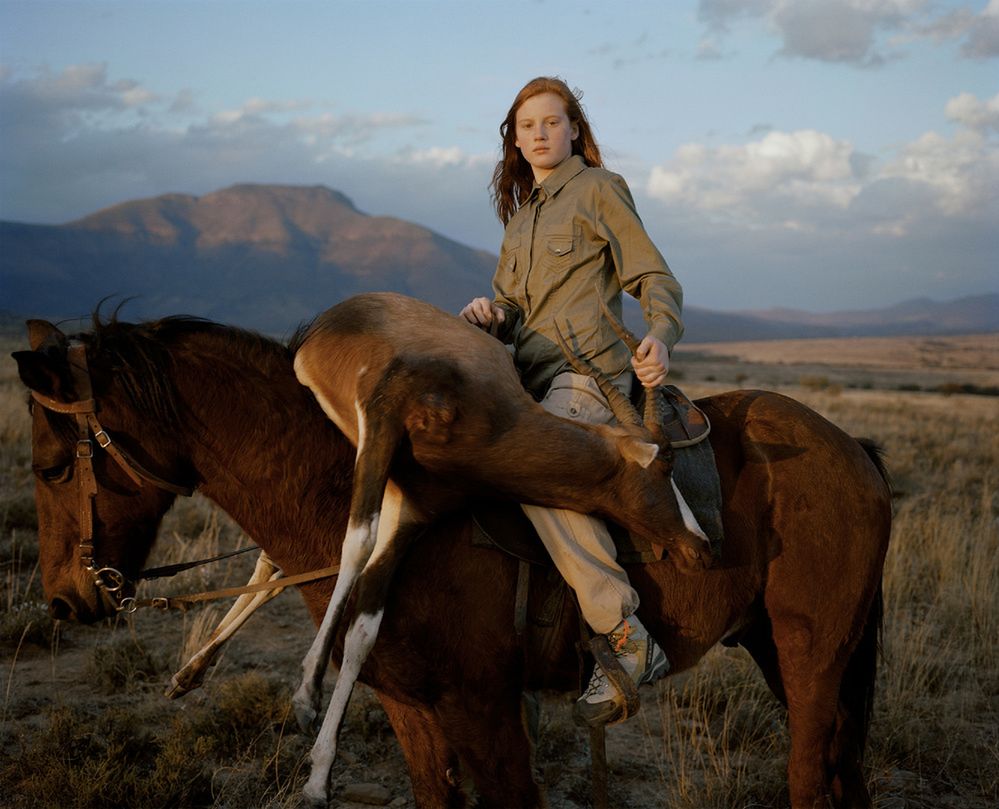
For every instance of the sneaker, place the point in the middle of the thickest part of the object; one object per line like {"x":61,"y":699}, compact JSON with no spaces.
{"x":602,"y":703}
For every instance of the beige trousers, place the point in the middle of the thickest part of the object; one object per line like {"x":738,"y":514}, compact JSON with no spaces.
{"x":580,"y":545}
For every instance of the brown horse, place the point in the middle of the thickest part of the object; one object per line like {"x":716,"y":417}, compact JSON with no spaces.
{"x":806,"y":518}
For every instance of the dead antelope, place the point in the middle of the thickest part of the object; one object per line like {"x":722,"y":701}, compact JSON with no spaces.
{"x":438,"y":414}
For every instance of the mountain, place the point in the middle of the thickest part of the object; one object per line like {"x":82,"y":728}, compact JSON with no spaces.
{"x":269,"y":257}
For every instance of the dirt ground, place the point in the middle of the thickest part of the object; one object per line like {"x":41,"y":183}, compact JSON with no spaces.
{"x":272,"y":646}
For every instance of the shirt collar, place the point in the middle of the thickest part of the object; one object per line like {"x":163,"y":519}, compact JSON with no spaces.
{"x":564,"y":172}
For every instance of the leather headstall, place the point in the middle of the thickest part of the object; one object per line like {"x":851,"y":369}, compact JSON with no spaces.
{"x":107,"y":579}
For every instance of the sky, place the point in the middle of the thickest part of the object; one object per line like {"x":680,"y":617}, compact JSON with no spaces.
{"x":812,"y":154}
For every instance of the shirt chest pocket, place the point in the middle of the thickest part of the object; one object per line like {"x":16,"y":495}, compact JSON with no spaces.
{"x":560,"y":250}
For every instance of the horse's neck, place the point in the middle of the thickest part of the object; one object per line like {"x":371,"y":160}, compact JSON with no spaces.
{"x":272,"y":461}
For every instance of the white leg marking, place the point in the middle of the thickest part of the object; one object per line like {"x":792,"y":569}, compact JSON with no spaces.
{"x":689,"y":519}
{"x":360,"y":639}
{"x":190,"y":676}
{"x":357,"y":546}
{"x":358,"y":543}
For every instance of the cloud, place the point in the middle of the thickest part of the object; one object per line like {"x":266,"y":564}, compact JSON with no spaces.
{"x":863,"y":33}
{"x":983,"y":34}
{"x":76,"y":134}
{"x":981,"y":116}
{"x":808,"y":180}
{"x":979,"y":32}
{"x":776,"y":178}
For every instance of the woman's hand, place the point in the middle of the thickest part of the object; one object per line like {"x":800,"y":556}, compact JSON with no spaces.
{"x":651,"y":362}
{"x":485,"y":314}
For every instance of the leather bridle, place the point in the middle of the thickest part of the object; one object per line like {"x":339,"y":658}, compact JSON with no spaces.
{"x":108,"y":580}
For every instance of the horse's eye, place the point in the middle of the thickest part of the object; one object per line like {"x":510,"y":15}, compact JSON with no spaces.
{"x":55,"y":474}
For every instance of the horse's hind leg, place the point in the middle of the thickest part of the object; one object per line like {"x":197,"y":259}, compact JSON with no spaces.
{"x":811,"y":677}
{"x":846,"y":752}
{"x":396,"y":529}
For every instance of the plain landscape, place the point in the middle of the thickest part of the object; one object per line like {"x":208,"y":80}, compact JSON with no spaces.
{"x":84,"y":723}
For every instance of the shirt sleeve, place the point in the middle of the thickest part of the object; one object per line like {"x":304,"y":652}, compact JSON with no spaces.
{"x":503,"y":295}
{"x":641,"y":268}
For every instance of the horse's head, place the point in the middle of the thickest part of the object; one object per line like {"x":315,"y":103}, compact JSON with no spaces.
{"x":102,"y":454}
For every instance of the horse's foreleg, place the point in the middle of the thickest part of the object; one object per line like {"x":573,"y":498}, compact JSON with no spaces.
{"x":432,"y":762}
{"x":396,"y":529}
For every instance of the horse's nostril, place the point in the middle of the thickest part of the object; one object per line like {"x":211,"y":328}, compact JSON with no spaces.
{"x":60,"y":609}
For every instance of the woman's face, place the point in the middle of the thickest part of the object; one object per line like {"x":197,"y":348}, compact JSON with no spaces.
{"x":544,"y":133}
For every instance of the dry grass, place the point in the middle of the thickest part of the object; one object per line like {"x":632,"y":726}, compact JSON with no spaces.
{"x":83,"y":722}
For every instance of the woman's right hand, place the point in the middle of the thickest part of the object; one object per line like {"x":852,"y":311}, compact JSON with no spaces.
{"x":485,"y":314}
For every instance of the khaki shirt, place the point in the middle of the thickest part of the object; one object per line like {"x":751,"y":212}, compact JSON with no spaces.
{"x":576,"y":237}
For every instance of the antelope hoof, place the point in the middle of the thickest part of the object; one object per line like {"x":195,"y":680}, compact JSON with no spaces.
{"x":184,"y":681}
{"x":306,"y":706}
{"x":316,"y":795}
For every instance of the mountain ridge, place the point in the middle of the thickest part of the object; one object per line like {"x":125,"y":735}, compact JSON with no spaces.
{"x":271,"y":256}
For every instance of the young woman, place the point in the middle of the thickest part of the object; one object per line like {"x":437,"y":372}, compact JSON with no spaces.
{"x":573,"y":235}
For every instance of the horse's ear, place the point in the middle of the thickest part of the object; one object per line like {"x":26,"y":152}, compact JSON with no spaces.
{"x":41,"y":332}
{"x":38,"y":372}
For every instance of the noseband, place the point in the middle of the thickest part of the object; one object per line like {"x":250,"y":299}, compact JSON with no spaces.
{"x":107,"y":580}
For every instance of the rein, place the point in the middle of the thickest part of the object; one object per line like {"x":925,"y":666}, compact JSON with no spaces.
{"x":108,"y":580}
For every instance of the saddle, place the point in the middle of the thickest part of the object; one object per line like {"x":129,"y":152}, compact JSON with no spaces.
{"x":684,"y":423}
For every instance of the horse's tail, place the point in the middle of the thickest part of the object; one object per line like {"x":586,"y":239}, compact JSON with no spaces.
{"x":859,"y":680}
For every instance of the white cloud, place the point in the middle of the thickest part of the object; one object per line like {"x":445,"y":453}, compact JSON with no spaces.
{"x":981,"y":116}
{"x":780,"y":175}
{"x":808,"y":179}
{"x":444,"y":156}
{"x":962,"y":171}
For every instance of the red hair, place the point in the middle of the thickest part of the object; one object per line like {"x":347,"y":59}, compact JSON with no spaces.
{"x":513,"y":177}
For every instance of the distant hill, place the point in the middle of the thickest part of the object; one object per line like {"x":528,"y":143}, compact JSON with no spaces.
{"x":266,"y":257}
{"x":269,"y":257}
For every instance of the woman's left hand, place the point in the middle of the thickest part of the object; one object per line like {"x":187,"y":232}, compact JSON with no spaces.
{"x":651,"y":362}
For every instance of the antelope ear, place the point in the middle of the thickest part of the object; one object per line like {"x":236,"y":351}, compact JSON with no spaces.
{"x":41,"y":332}
{"x":641,"y":452}
{"x":38,"y":372}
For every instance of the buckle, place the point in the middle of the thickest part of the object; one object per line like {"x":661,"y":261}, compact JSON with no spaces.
{"x":105,"y":442}
{"x":84,"y":449}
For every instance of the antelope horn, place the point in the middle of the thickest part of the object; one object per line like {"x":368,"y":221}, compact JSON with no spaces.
{"x":619,"y":328}
{"x":624,"y":411}
{"x":653,"y":415}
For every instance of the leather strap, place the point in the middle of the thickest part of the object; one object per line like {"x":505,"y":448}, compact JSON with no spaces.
{"x":182,"y":602}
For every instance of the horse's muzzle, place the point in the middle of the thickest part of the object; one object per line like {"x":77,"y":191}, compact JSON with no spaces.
{"x":69,"y":607}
